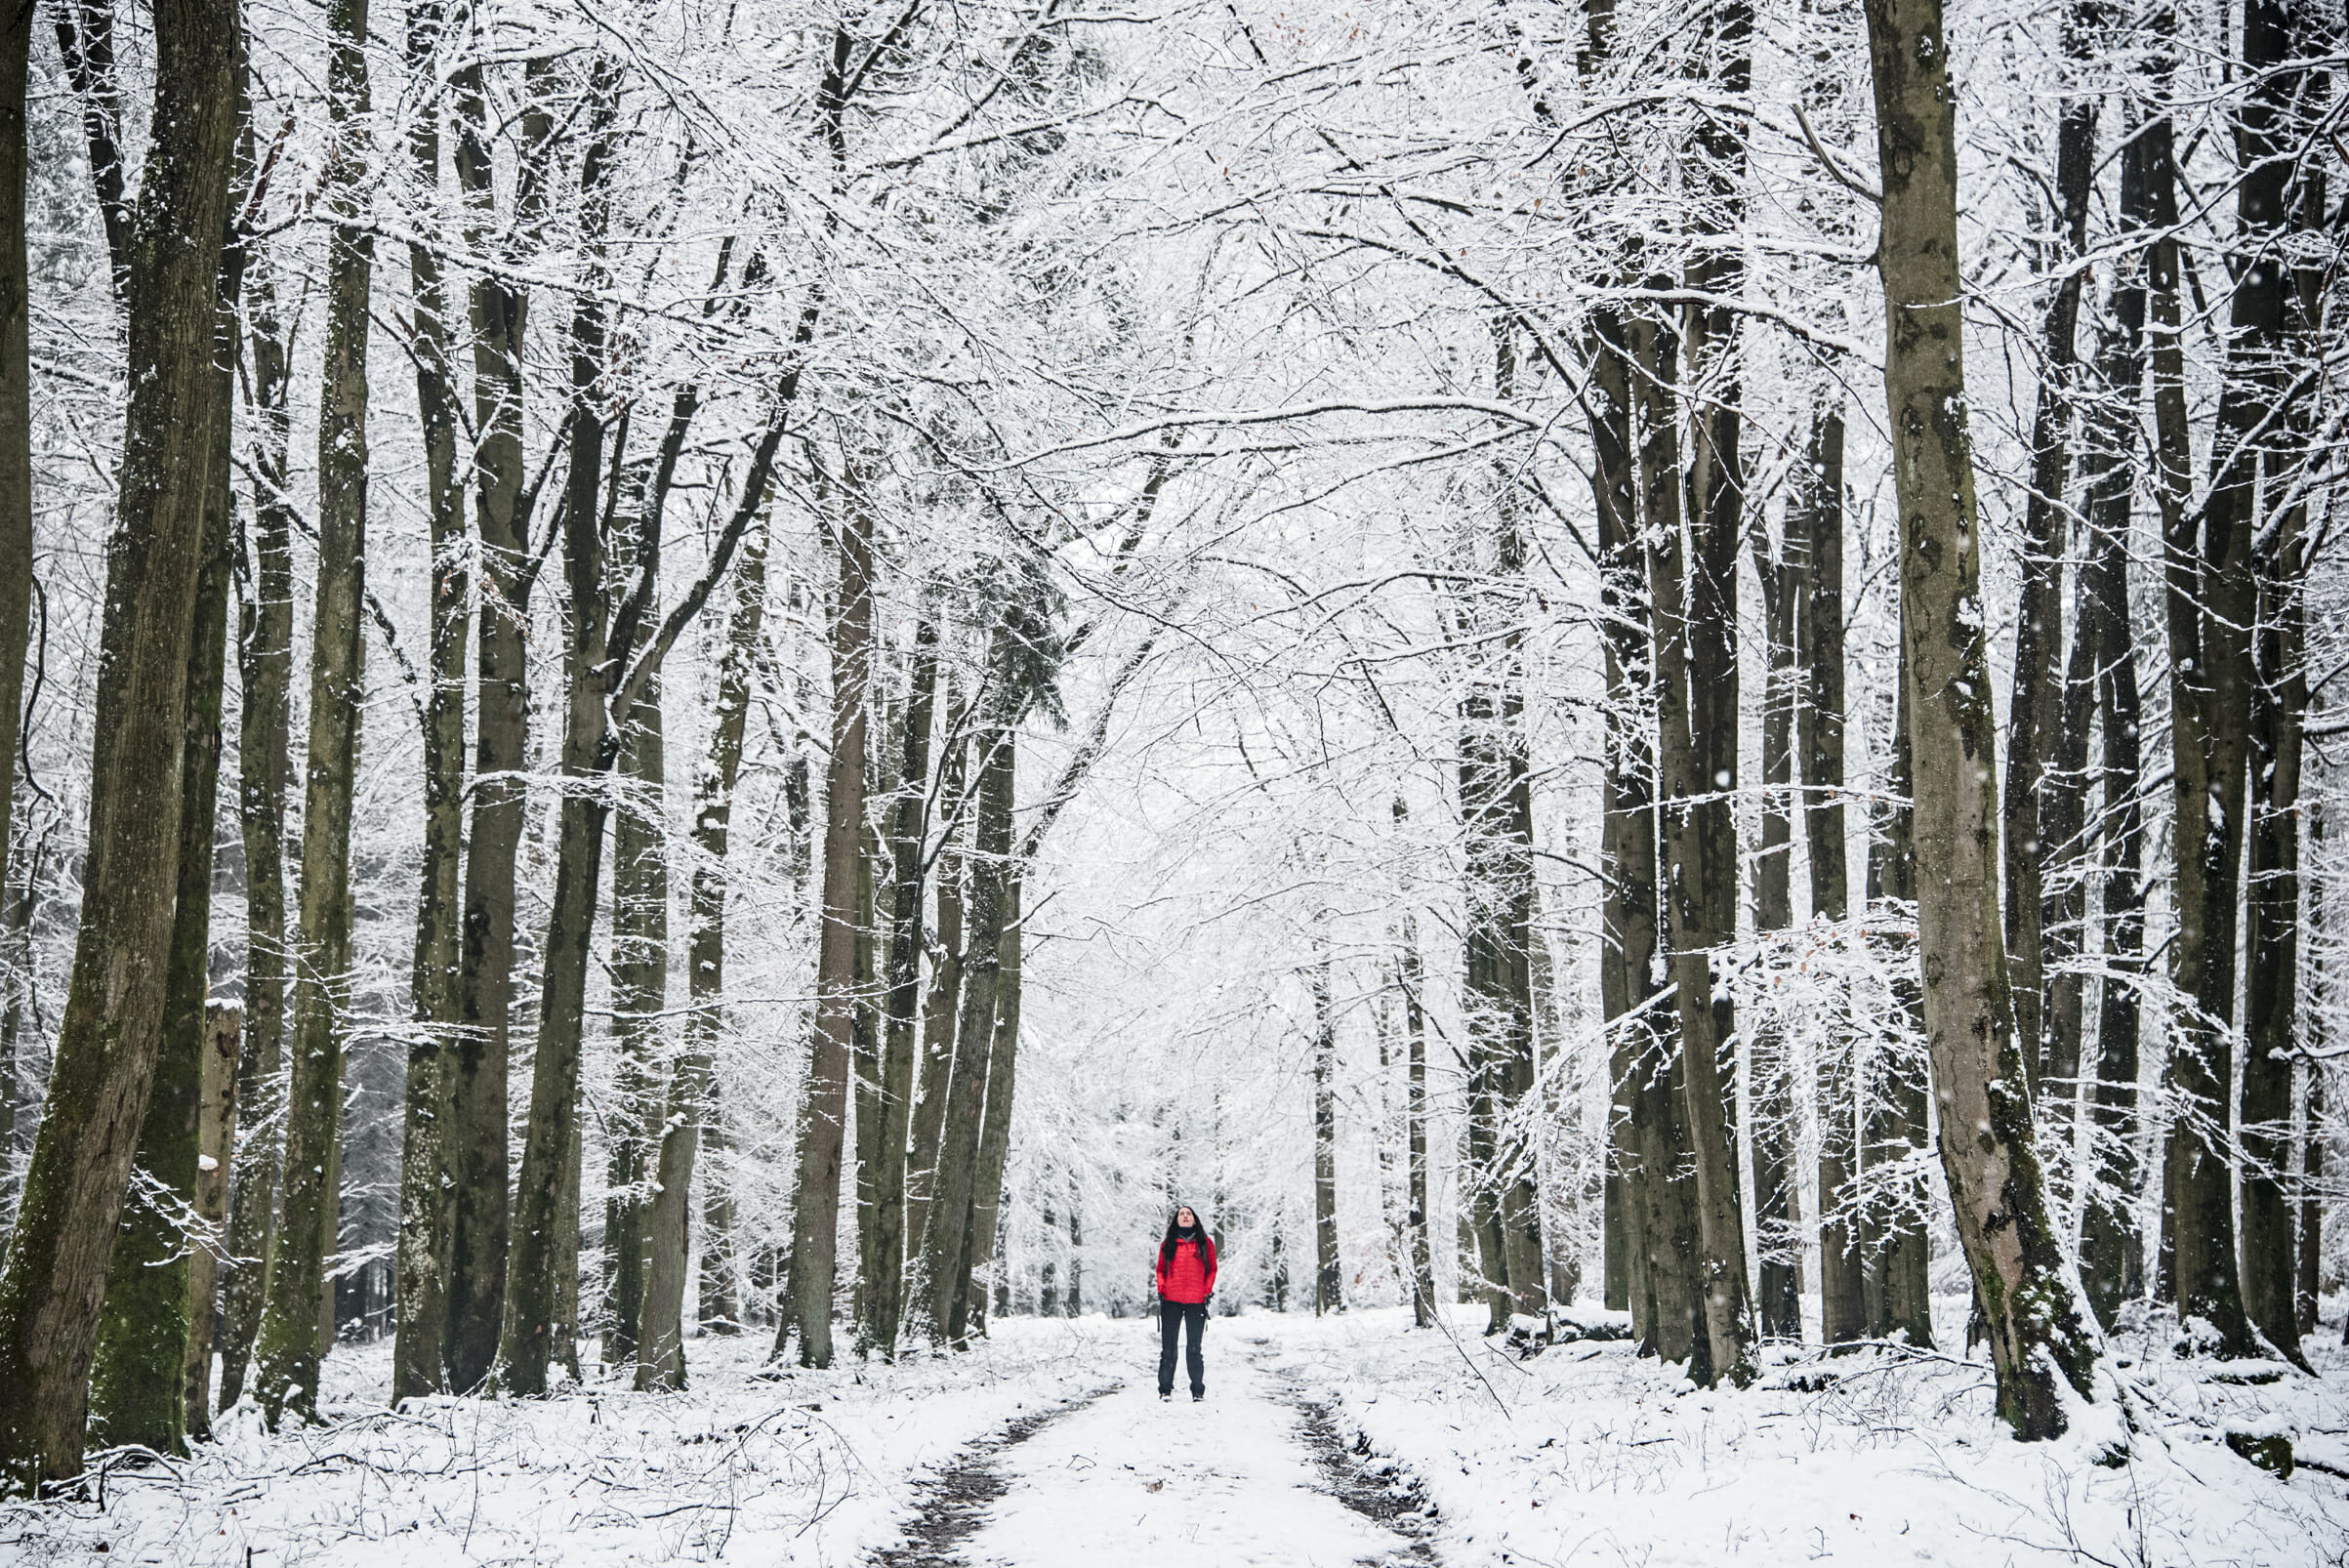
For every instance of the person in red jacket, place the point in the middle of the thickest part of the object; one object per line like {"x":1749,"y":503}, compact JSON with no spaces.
{"x":1186,"y":1283}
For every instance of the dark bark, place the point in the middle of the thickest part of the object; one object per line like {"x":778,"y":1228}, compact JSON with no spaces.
{"x":1778,"y":1217}
{"x":909,"y":831}
{"x":2038,"y":1329}
{"x":639,"y":977}
{"x":56,"y":1270}
{"x":1702,"y":879}
{"x":1815,"y":546}
{"x":421,"y":1319}
{"x":1692,"y":588}
{"x":2212,"y":599}
{"x":85,"y":41}
{"x":949,"y":1227}
{"x":1673,"y":1326}
{"x":2111,"y":1260}
{"x":1629,"y":913}
{"x":138,"y":1385}
{"x":291,"y":1340}
{"x":941,"y":1004}
{"x":138,"y":1388}
{"x":475,"y":1143}
{"x":864,"y":1039}
{"x":1003,"y":1074}
{"x":535,"y":1281}
{"x":16,"y":444}
{"x":2282,"y":555}
{"x":2033,"y":725}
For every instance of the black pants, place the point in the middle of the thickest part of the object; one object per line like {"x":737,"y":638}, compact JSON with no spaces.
{"x":1171,"y":1317}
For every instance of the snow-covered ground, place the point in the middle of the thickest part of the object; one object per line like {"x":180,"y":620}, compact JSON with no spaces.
{"x":1584,"y":1454}
{"x":1587,"y":1454}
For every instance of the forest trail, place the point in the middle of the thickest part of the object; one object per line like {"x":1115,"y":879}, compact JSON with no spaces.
{"x":1250,"y":1475}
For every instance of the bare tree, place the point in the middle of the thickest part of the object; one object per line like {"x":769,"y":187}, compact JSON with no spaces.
{"x":2040,"y":1332}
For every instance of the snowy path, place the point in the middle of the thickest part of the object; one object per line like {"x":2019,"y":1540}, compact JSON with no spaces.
{"x":1127,"y":1480}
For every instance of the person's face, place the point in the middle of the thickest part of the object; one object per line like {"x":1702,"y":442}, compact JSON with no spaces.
{"x":1184,"y":1217}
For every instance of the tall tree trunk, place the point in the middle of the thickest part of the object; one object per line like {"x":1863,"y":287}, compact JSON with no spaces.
{"x":105,"y":1053}
{"x":16,"y":432}
{"x":265,"y":676}
{"x":1328,"y":1292}
{"x":909,"y":831}
{"x":215,"y":1147}
{"x":1691,"y":644}
{"x":1414,"y":1029}
{"x":1778,"y":1218}
{"x":2112,"y":1261}
{"x":1815,"y":545}
{"x":1675,"y":1326}
{"x":2212,"y":599}
{"x":475,"y":1144}
{"x":2032,"y":715}
{"x":864,"y":1049}
{"x":2039,"y":1331}
{"x":815,"y":1209}
{"x":1894,"y":1245}
{"x":137,"y":1391}
{"x":1501,"y":889}
{"x":660,"y":1347}
{"x":2270,"y":1271}
{"x":1700,"y":736}
{"x":2310,"y":1280}
{"x":2280,"y":562}
{"x":535,"y":1280}
{"x":1003,"y":1074}
{"x":85,"y":37}
{"x":639,"y":996}
{"x":421,"y":1316}
{"x":291,"y":1343}
{"x":1629,"y":913}
{"x":949,"y":1219}
{"x":941,"y":1005}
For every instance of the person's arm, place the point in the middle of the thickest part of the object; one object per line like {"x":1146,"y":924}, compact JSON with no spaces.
{"x":1212,"y":1261}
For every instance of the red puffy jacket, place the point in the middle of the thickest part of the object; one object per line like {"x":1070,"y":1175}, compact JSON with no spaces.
{"x":1188,"y":1277}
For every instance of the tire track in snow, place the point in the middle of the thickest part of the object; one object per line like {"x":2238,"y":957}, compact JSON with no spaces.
{"x":1390,"y":1497}
{"x":955,"y":1500}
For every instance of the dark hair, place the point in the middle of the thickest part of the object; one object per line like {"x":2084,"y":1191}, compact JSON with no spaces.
{"x":1166,"y":1248}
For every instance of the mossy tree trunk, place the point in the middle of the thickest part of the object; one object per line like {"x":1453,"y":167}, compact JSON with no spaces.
{"x":51,"y":1288}
{"x":138,"y":1385}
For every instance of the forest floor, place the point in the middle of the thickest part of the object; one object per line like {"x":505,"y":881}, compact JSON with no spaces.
{"x":1347,"y":1440}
